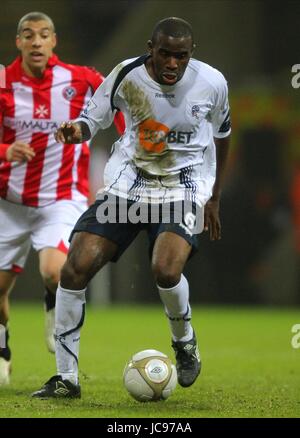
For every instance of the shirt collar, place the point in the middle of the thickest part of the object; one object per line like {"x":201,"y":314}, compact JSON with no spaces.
{"x":52,"y":61}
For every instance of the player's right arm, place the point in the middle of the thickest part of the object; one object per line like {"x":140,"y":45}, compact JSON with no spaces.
{"x":17,"y":151}
{"x":98,"y":114}
{"x":95,"y":79}
{"x":72,"y":132}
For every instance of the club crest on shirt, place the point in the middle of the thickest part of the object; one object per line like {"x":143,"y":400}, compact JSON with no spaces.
{"x":195,"y":111}
{"x":69,"y":93}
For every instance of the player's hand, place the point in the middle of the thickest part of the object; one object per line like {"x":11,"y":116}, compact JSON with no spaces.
{"x":19,"y":152}
{"x":212,"y":220}
{"x":69,"y":132}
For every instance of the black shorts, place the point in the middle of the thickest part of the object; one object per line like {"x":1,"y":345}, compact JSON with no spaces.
{"x":120,"y":221}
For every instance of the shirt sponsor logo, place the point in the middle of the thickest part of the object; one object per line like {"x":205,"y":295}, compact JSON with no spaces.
{"x":47,"y":126}
{"x":41,"y":112}
{"x":154,"y":136}
{"x":165,"y":95}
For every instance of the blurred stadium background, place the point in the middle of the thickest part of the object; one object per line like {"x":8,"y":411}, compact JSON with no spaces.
{"x":255,"y":44}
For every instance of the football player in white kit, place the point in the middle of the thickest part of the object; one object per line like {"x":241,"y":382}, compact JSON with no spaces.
{"x":172,"y":153}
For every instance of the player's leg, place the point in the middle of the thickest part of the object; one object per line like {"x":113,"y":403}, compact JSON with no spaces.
{"x":169,"y":257}
{"x":51,"y":262}
{"x":88,"y":254}
{"x":14,"y":248}
{"x":170,"y":254}
{"x":7,"y":281}
{"x":173,"y":241}
{"x":51,"y":230}
{"x":94,"y":243}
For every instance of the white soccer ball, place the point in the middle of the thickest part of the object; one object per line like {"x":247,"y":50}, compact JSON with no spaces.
{"x":150,"y":376}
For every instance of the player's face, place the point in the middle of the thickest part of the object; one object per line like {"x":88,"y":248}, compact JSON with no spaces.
{"x":36,"y":42}
{"x":169,"y":58}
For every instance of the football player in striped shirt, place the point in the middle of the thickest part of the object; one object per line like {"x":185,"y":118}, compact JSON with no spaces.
{"x":43,"y":183}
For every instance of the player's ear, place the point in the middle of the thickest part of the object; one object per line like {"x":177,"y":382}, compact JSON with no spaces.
{"x":54,"y":40}
{"x":193,"y":48}
{"x":18,"y":42}
{"x":150,"y":46}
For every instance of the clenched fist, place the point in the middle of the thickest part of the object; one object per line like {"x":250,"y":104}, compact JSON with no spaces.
{"x":69,"y":132}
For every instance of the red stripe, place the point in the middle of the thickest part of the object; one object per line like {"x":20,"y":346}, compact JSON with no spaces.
{"x":81,"y":86}
{"x":76,"y":107}
{"x":5,"y":169}
{"x":17,"y":269}
{"x":65,"y":178}
{"x":3,"y":151}
{"x":42,"y":98}
{"x":32,"y":182}
{"x":119,"y":122}
{"x":41,"y":110}
{"x":295,"y":201}
{"x":62,"y":247}
{"x":82,"y":184}
{"x":9,"y":135}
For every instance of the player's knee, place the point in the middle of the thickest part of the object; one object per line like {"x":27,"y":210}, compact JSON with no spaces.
{"x":4,"y":291}
{"x":165,"y":275}
{"x":7,"y":281}
{"x":50,"y":277}
{"x":73,"y":275}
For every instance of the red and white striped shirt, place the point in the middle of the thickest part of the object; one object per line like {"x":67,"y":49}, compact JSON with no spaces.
{"x":31,"y":110}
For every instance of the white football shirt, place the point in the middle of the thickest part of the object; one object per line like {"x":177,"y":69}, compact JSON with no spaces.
{"x":167,"y":151}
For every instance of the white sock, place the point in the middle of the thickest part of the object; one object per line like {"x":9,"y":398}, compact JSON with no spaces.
{"x":69,"y":317}
{"x":178,"y":310}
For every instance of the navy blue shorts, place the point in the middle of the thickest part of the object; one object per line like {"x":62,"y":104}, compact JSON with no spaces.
{"x":121,"y":220}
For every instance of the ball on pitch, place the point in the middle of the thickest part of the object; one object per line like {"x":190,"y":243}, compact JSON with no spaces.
{"x":150,"y":376}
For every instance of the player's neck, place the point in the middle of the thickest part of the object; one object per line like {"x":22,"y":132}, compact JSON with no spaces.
{"x":32,"y":72}
{"x":149,"y":68}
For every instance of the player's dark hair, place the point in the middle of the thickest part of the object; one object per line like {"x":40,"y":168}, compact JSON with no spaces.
{"x":174,"y":27}
{"x":34,"y":16}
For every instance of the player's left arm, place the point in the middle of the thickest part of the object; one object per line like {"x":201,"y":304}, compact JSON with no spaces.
{"x":212,"y":221}
{"x":220,"y":118}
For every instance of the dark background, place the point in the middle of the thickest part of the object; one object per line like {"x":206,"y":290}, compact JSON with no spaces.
{"x":254,"y":44}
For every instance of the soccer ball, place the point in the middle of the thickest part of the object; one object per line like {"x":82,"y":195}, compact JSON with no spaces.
{"x":150,"y":376}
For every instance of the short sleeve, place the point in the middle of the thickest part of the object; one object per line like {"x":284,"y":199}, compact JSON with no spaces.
{"x":98,"y":114}
{"x":220,"y":114}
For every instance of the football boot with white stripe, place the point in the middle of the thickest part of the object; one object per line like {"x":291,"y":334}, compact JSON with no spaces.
{"x":188,"y":362}
{"x":56,"y":387}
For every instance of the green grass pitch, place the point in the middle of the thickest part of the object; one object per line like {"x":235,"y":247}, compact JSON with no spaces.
{"x":249,"y":366}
